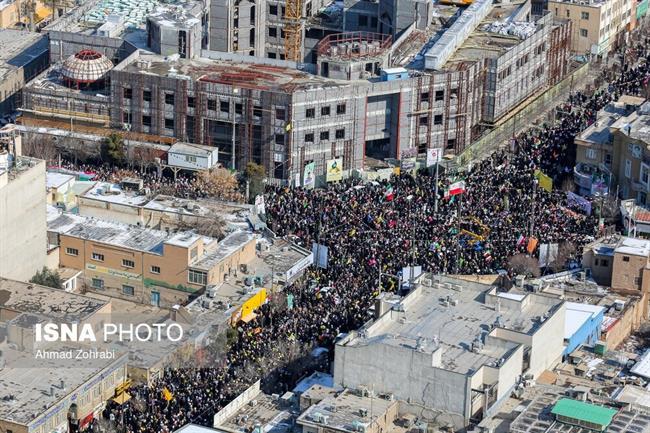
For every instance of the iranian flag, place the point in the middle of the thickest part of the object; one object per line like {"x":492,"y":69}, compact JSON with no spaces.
{"x":388,"y":194}
{"x":456,"y":188}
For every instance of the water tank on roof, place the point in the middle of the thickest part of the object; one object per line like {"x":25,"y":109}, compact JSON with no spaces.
{"x":392,"y":74}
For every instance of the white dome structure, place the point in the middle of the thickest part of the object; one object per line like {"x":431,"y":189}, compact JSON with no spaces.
{"x":85,"y":67}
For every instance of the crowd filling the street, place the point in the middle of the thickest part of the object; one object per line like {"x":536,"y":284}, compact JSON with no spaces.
{"x":498,"y":209}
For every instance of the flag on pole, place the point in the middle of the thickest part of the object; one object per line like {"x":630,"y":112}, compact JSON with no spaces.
{"x":456,"y":188}
{"x":532,"y":244}
{"x":544,"y":181}
{"x":388,"y":194}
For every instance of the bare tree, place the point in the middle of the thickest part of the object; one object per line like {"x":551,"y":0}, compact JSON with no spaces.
{"x":213,"y":226}
{"x":524,"y":264}
{"x":40,"y":146}
{"x":144,"y":156}
{"x":565,"y":252}
{"x":218,"y":183}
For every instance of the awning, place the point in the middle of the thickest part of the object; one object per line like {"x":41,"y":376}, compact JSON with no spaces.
{"x":122,"y":398}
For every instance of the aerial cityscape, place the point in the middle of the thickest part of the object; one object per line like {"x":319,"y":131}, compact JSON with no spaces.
{"x":315,"y":216}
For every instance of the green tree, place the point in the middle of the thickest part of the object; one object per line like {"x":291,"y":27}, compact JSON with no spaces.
{"x":255,"y":175}
{"x":113,"y":149}
{"x":47,"y":277}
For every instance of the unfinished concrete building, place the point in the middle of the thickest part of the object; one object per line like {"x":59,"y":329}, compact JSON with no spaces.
{"x":178,"y":30}
{"x":370,"y":96}
{"x":237,"y":26}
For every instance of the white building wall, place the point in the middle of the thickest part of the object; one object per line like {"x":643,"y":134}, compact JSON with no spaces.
{"x":23,"y":229}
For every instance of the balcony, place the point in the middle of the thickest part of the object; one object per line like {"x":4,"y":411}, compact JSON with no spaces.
{"x":591,"y":180}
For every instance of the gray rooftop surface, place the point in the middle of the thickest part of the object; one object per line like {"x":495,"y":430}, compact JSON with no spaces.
{"x":223,"y":249}
{"x":18,"y":48}
{"x":47,"y":302}
{"x":454,"y":328}
{"x":267,"y":412}
{"x":344,"y":411}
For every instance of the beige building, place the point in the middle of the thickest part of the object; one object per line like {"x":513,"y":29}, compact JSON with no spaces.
{"x":596,"y":24}
{"x":23,"y":226}
{"x":145,"y":265}
{"x":631,"y":162}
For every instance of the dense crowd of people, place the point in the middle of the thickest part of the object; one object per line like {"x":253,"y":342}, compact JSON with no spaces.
{"x":376,"y":229}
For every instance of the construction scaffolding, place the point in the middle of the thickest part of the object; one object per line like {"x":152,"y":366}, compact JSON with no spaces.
{"x":353,"y":45}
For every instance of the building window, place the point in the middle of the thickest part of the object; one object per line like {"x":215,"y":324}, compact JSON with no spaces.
{"x":190,"y":158}
{"x":584,"y":15}
{"x":224,"y":106}
{"x":198,"y":277}
{"x":239,"y":108}
{"x":98,"y":283}
{"x":169,"y":99}
{"x":637,"y":281}
{"x":280,"y":114}
{"x":273,"y":9}
{"x":340,"y":134}
{"x":194,"y":252}
{"x":604,"y":262}
{"x":325,"y":135}
{"x":440,"y":95}
{"x":98,"y":257}
{"x":272,"y":55}
{"x":279,"y":138}
{"x":437,"y":119}
{"x":273,"y":32}
{"x":309,"y":138}
{"x":340,"y":109}
{"x":424,"y":97}
{"x":596,"y":262}
{"x":169,"y":123}
{"x":155,"y":269}
{"x":212,"y":104}
{"x":423,"y":120}
{"x":146,"y":120}
{"x":608,"y":158}
{"x":128,"y":93}
{"x":252,"y":17}
{"x":257,"y":111}
{"x":190,"y":101}
{"x":72,"y":251}
{"x":310,"y":113}
{"x":568,"y":14}
{"x":128,"y":290}
{"x":583,"y":33}
{"x":146,"y":95}
{"x":128,"y":263}
{"x":325,"y":111}
{"x":628,"y":168}
{"x":591,"y":154}
{"x":626,"y":258}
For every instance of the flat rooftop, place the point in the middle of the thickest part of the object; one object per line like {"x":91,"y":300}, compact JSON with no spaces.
{"x":25,"y":392}
{"x":240,"y":75}
{"x":485,"y":42}
{"x":637,"y":124}
{"x":22,"y":165}
{"x":622,"y":245}
{"x":46,"y":302}
{"x":224,"y":248}
{"x":18,"y":48}
{"x":347,"y":411}
{"x":598,"y":132}
{"x":537,"y":417}
{"x":57,"y":180}
{"x":183,"y":15}
{"x":450,"y":317}
{"x":113,"y":193}
{"x":268,"y":412}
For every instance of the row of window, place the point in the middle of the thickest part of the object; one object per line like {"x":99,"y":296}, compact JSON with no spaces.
{"x":439,"y":95}
{"x":339,"y":134}
{"x":196,"y":277}
{"x":127,"y":263}
{"x":325,"y":110}
{"x":424,"y":120}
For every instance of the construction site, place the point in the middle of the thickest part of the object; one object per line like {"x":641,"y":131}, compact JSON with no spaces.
{"x":371,"y":97}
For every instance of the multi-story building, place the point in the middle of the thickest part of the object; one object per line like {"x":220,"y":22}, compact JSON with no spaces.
{"x":23,"y":55}
{"x":372,"y":96}
{"x":631,"y":163}
{"x":22,"y":210}
{"x":453,"y":347}
{"x":145,"y":265}
{"x":597,"y":24}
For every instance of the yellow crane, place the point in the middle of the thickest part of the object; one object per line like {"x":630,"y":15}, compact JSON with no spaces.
{"x":293,"y":30}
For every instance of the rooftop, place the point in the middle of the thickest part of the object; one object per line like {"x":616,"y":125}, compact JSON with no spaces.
{"x":228,"y":245}
{"x":241,"y":75}
{"x":537,"y":417}
{"x":583,"y":411}
{"x":577,"y":315}
{"x":347,"y":411}
{"x":35,"y":389}
{"x":112,"y":193}
{"x":450,"y":316}
{"x":57,"y":180}
{"x":621,"y":244}
{"x":637,"y":124}
{"x":46,"y":302}
{"x":598,"y":132}
{"x":183,"y":15}
{"x":267,"y":411}
{"x":191,"y":149}
{"x":18,"y":48}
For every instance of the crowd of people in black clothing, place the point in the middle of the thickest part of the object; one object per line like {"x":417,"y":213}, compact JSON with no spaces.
{"x":380,"y":227}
